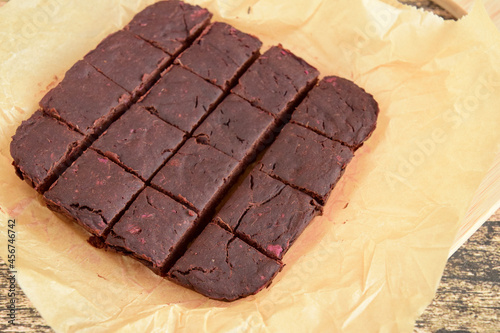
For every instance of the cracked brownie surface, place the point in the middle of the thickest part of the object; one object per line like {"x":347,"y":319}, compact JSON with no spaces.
{"x":175,"y":143}
{"x":196,"y":174}
{"x":221,"y":265}
{"x":340,"y":110}
{"x":276,"y":80}
{"x":93,"y":191}
{"x":152,"y":228}
{"x":140,"y":141}
{"x":128,"y":60}
{"x":85,"y":99}
{"x":220,"y":54}
{"x":294,"y":152}
{"x":181,"y":98}
{"x":169,"y":25}
{"x":235,"y":127}
{"x":37,"y":160}
{"x":267,"y":213}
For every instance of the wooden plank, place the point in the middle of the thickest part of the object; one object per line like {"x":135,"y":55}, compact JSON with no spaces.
{"x":430,"y":6}
{"x":27,"y":317}
{"x":468,"y":297}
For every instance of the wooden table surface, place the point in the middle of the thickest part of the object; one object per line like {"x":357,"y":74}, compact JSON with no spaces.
{"x":467,"y":300}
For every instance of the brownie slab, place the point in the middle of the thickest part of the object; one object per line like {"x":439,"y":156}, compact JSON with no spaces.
{"x":139,"y":141}
{"x":92,"y":191}
{"x":220,"y":54}
{"x":223,"y":267}
{"x":235,"y":127}
{"x":128,"y":60}
{"x":197,"y":174}
{"x":152,"y":229}
{"x":268,"y":213}
{"x":181,"y":98}
{"x":41,"y":146}
{"x":169,"y":25}
{"x":156,"y":179}
{"x":276,"y":80}
{"x":85,"y":99}
{"x":340,"y":110}
{"x":306,"y":160}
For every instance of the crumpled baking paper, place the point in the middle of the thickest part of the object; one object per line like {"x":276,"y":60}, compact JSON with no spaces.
{"x":372,"y":262}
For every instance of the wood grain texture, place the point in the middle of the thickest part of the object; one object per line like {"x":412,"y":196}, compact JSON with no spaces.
{"x":27,"y":317}
{"x":468,"y":297}
{"x":430,"y":6}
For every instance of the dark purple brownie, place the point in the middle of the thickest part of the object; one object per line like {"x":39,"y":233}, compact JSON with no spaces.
{"x":152,"y":229}
{"x":181,"y":98}
{"x":170,"y":25}
{"x":306,"y":160}
{"x":40,"y":147}
{"x":85,"y":99}
{"x":340,"y":110}
{"x":223,"y":267}
{"x":128,"y":60}
{"x":235,"y":127}
{"x":196,"y":174}
{"x":92,"y":192}
{"x":140,"y":141}
{"x":220,"y":54}
{"x":276,"y":81}
{"x":268,"y":213}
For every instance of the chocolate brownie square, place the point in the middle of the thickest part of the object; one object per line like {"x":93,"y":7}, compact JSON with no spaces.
{"x":181,"y":98}
{"x":220,"y":54}
{"x":92,"y":191}
{"x":267,"y":213}
{"x":41,"y":147}
{"x":85,"y":99}
{"x":235,"y":127}
{"x":223,"y":267}
{"x":129,"y":61}
{"x":139,"y":141}
{"x":276,"y":81}
{"x":170,"y":25}
{"x":340,"y":110}
{"x":153,"y":229}
{"x":306,"y":160}
{"x":197,"y":174}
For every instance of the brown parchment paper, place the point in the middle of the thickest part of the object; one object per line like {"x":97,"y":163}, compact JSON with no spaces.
{"x":372,"y":262}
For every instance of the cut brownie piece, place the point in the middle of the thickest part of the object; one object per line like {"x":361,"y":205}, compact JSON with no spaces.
{"x":41,"y":148}
{"x":140,"y":141}
{"x":267,"y":213}
{"x":220,"y":54}
{"x":170,"y":25}
{"x":235,"y":127}
{"x":340,"y":110}
{"x":129,"y":61}
{"x":197,"y":174}
{"x":92,"y":191}
{"x":153,"y":229}
{"x":306,"y":160}
{"x":85,"y":99}
{"x":276,"y":81}
{"x":181,"y":98}
{"x":223,"y":267}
